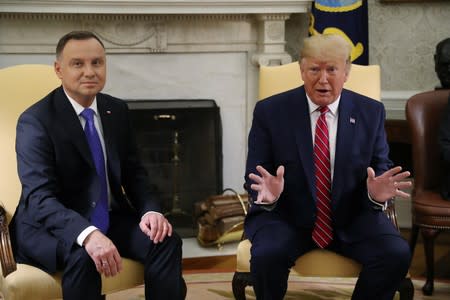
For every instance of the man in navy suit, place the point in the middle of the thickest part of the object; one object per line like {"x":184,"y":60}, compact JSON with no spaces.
{"x":281,"y":179}
{"x":53,"y":226}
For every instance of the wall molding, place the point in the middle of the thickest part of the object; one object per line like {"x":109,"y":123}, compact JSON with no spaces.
{"x":157,"y":7}
{"x":395,"y":102}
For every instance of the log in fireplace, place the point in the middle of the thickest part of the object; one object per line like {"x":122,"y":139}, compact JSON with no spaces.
{"x":180,"y":143}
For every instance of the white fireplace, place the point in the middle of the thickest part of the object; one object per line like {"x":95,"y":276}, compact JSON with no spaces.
{"x":172,"y":49}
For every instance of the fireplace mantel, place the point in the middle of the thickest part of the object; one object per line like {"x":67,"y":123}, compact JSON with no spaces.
{"x":156,"y":7}
{"x":168,"y":49}
{"x":151,"y":17}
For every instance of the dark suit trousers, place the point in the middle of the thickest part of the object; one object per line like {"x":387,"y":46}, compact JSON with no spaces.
{"x":276,"y":246}
{"x":162,"y":263}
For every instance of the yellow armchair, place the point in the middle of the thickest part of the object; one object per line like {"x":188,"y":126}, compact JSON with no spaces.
{"x":21,"y":86}
{"x":319,"y":262}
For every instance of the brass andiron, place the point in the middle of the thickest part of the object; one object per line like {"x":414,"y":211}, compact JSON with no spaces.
{"x":176,"y":209}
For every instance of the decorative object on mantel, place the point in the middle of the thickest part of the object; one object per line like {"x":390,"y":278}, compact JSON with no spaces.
{"x":220,"y":218}
{"x":442,"y":63}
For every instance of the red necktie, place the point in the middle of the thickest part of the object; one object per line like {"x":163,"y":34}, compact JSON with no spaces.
{"x":322,"y":233}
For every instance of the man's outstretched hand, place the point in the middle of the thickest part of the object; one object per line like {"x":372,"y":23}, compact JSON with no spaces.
{"x":387,"y":185}
{"x":269,"y":187}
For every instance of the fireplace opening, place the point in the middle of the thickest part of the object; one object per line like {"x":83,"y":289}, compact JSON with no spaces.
{"x":180,"y":144}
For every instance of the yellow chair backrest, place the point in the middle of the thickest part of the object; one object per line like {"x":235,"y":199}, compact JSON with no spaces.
{"x":273,"y":80}
{"x":20,"y":87}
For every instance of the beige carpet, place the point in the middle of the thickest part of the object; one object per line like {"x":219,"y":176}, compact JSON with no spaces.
{"x":205,"y":286}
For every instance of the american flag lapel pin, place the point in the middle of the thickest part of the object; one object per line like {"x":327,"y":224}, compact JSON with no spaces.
{"x":352,"y":120}
{"x":108,"y":112}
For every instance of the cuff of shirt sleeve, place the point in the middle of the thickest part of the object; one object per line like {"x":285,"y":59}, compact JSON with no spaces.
{"x":379,"y":205}
{"x":269,"y":207}
{"x":83,"y":235}
{"x":151,"y":212}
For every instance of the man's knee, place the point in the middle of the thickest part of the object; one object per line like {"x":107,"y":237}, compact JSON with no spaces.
{"x":80,"y":259}
{"x":273,"y":255}
{"x":173,"y":243}
{"x":170,"y":247}
{"x":175,"y":240}
{"x":399,"y":256}
{"x":402,"y":254}
{"x":80,"y":278}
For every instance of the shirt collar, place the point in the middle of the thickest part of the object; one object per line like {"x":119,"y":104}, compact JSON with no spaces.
{"x":333,"y":107}
{"x":78,"y":108}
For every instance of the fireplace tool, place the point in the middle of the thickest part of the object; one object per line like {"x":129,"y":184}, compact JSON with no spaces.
{"x":176,"y":209}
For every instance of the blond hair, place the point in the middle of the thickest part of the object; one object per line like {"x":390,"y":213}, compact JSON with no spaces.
{"x":326,"y":47}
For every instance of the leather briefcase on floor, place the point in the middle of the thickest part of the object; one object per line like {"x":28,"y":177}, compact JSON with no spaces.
{"x":220,"y":218}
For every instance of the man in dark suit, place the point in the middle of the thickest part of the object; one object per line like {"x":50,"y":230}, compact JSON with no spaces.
{"x":304,"y":199}
{"x":442,"y":63}
{"x":59,"y":223}
{"x":444,"y":147}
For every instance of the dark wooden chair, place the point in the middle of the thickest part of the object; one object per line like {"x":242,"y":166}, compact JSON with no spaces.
{"x":430,"y":212}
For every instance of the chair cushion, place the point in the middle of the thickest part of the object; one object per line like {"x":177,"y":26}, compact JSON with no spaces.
{"x":430,"y":209}
{"x":320,"y":262}
{"x":317,"y":262}
{"x":243,"y":256}
{"x":28,"y":282}
{"x":132,"y":275}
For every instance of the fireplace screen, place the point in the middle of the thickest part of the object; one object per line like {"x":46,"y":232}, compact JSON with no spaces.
{"x":180,"y":143}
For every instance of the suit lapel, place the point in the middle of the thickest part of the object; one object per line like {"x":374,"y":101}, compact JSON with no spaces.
{"x":301,"y":124}
{"x":348,"y":118}
{"x":72,"y":126}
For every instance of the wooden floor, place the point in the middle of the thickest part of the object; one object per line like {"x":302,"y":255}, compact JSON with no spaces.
{"x":441,"y":256}
{"x":442,"y":260}
{"x":225,"y":263}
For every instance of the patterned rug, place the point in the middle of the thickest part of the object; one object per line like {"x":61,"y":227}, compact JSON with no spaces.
{"x":217,"y":286}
